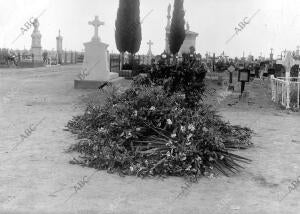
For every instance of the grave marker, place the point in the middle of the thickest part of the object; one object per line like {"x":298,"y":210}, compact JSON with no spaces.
{"x":95,"y":65}
{"x":288,"y":62}
{"x":231,"y":69}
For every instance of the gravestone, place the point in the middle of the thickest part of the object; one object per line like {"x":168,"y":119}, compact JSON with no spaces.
{"x":231,"y":69}
{"x":149,"y":54}
{"x":59,"y":47}
{"x":36,"y":47}
{"x":288,"y":62}
{"x":95,"y":64}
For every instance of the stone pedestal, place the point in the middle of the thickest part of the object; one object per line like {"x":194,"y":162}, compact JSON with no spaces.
{"x":95,"y":61}
{"x":36,"y":47}
{"x":95,"y":64}
{"x":95,"y":67}
{"x":59,"y":48}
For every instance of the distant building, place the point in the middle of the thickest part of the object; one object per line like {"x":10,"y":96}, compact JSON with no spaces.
{"x":190,"y":36}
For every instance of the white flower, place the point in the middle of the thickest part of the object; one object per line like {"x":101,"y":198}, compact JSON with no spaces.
{"x":102,"y":130}
{"x":191,"y":127}
{"x":168,"y":154}
{"x":182,"y":128}
{"x":95,"y":148}
{"x":152,"y":108}
{"x":131,"y":169}
{"x":204,"y":129}
{"x":188,"y":168}
{"x":169,"y":122}
{"x":189,"y":136}
{"x":135,"y":113}
{"x":173,"y":135}
{"x":138,"y":129}
{"x":169,"y":143}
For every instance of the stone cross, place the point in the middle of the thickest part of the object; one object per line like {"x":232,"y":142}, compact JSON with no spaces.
{"x":288,"y":62}
{"x":150,"y":43}
{"x":271,"y":54}
{"x":96,"y":23}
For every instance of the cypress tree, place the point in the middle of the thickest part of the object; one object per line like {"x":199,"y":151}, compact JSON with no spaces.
{"x":135,"y":27}
{"x":121,"y":24}
{"x":177,"y":31}
{"x":128,"y":33}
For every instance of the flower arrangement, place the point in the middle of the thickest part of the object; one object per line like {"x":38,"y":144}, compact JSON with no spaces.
{"x":148,"y":131}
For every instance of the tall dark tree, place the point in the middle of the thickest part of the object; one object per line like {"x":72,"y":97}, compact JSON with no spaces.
{"x":122,"y":22}
{"x":128,"y":32}
{"x":135,"y":29}
{"x":122,"y":31}
{"x":177,"y":31}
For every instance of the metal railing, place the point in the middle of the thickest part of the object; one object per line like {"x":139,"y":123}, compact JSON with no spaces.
{"x":286,"y":91}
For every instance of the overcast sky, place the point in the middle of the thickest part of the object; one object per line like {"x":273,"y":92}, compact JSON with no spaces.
{"x":276,"y":25}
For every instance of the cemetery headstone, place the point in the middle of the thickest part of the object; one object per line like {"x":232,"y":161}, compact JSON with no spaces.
{"x":288,"y":62}
{"x":231,"y":69}
{"x":149,"y":54}
{"x":244,"y":76}
{"x":95,"y":65}
{"x":36,"y":47}
{"x":59,"y":47}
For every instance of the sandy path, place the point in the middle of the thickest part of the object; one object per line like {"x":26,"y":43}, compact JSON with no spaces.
{"x":31,"y":174}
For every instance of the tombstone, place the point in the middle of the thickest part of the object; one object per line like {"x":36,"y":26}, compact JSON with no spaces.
{"x":36,"y":47}
{"x":95,"y":64}
{"x":59,"y":48}
{"x":288,"y":62}
{"x":149,"y":54}
{"x":231,"y":69}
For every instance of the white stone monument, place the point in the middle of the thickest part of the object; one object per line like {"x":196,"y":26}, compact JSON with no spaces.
{"x":288,"y":62}
{"x":149,"y":54}
{"x":95,"y":64}
{"x":59,"y":48}
{"x":36,"y":47}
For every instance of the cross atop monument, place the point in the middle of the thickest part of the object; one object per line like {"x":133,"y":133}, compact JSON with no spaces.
{"x":96,"y":23}
{"x":150,"y":43}
{"x":288,"y":62}
{"x":271,"y":50}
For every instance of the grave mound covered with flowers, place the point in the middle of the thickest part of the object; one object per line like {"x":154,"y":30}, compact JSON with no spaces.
{"x":160,"y":127}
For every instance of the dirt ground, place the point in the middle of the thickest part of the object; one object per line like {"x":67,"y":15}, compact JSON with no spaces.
{"x":36,"y":177}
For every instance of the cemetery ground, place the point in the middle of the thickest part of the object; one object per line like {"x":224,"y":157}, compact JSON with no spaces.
{"x":36,"y":176}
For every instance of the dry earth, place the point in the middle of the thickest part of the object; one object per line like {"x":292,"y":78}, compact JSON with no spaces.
{"x":36,"y":177}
